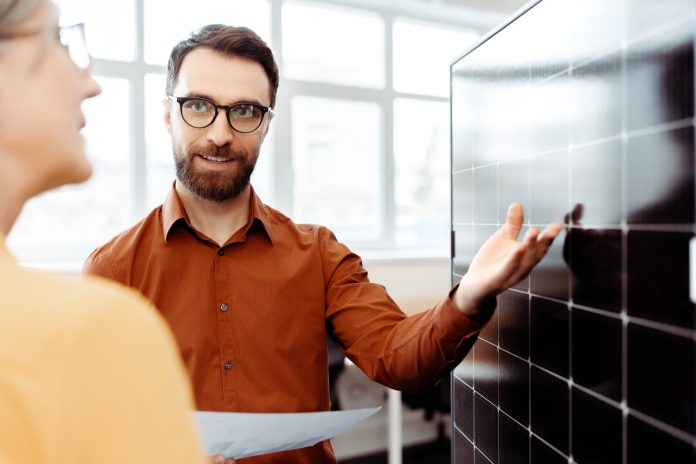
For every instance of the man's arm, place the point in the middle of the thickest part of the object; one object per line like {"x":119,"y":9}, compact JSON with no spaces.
{"x":410,"y":353}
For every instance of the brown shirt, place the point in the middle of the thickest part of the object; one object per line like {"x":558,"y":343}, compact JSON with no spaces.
{"x":252,"y":317}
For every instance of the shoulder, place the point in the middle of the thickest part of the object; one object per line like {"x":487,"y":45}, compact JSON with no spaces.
{"x":308,"y":237}
{"x":88,"y":296}
{"x":104,"y":260}
{"x":287,"y":225}
{"x":69,"y":317}
{"x":119,"y":323}
{"x":105,"y":321}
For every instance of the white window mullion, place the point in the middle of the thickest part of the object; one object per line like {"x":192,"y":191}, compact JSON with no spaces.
{"x":137,"y":133}
{"x":388,"y":201}
{"x":282,"y":157}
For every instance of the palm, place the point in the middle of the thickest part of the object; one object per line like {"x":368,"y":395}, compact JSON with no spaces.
{"x":503,"y":261}
{"x":490,"y":261}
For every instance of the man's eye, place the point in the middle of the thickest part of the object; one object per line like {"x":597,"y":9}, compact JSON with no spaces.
{"x":198,"y":105}
{"x":243,"y":111}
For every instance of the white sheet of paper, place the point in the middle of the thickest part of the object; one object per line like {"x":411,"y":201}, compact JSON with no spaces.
{"x":240,"y":435}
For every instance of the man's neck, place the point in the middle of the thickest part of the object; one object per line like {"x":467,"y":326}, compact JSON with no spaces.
{"x":217,"y":220}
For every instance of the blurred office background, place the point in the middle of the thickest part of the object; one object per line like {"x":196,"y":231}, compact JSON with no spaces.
{"x":362,"y":114}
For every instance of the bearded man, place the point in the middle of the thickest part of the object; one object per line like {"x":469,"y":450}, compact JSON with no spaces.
{"x":252,"y":296}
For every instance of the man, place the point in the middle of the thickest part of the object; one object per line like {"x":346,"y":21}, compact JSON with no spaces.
{"x":250,"y":295}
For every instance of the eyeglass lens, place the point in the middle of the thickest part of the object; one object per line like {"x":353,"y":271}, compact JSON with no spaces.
{"x":242,"y":117}
{"x":73,"y":38}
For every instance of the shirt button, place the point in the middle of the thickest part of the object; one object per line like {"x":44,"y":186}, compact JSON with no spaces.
{"x":221,"y":252}
{"x":228,"y":365}
{"x":224,"y":307}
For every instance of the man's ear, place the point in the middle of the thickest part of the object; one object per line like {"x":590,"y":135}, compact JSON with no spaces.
{"x":166,"y":103}
{"x":267,"y":123}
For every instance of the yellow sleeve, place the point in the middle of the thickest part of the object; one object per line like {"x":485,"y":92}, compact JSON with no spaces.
{"x":124,"y":395}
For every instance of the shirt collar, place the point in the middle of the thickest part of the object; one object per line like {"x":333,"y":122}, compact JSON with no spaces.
{"x":173,"y":212}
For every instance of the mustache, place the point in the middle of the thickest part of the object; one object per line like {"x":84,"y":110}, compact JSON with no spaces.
{"x":225,"y":151}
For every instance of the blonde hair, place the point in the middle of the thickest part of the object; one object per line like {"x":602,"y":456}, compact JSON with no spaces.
{"x":14,"y":12}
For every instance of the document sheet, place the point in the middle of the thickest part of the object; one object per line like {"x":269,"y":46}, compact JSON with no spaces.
{"x":240,"y":435}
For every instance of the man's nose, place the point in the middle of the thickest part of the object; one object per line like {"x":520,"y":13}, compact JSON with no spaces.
{"x":220,"y":132}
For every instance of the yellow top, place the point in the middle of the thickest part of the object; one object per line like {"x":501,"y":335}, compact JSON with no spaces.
{"x":89,"y":373}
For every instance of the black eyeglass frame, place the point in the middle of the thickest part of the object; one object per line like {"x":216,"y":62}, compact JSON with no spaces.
{"x":228,"y":108}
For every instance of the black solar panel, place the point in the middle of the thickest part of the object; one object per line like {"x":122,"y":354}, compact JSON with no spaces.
{"x":583,"y":111}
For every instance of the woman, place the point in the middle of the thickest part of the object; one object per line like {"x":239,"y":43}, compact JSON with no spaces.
{"x":88,"y":370}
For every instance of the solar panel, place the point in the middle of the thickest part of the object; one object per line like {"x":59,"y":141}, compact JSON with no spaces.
{"x":583,"y":111}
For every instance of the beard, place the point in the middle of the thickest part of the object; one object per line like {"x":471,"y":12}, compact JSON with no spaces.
{"x":211,"y":185}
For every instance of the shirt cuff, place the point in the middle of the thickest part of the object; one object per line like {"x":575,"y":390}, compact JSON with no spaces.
{"x":454,"y":324}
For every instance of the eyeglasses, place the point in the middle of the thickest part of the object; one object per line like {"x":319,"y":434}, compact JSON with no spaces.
{"x":70,"y":37}
{"x":73,"y":39}
{"x":200,"y":112}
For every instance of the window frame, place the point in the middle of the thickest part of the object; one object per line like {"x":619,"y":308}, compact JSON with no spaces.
{"x":281,"y":188}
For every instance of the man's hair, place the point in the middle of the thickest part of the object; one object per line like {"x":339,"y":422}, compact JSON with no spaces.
{"x":230,"y":41}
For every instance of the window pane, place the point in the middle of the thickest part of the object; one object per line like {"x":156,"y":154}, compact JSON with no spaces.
{"x":333,"y":45}
{"x":421,"y":164}
{"x":336,"y":165}
{"x":68,"y":223}
{"x":422,"y":55}
{"x":104,"y":21}
{"x":167,"y":22}
{"x":160,"y":162}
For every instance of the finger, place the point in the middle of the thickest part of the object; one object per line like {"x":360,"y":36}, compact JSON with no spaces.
{"x":550,"y":233}
{"x":531,"y":241}
{"x":546,"y":238}
{"x":527,"y":257}
{"x":217,"y":459}
{"x":514,"y":260}
{"x":530,"y":237}
{"x":515,"y":219}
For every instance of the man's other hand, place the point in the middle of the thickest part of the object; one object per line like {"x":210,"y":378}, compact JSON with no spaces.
{"x":221,"y":459}
{"x":501,"y":262}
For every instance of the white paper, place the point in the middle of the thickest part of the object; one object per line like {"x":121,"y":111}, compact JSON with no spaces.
{"x":240,"y":435}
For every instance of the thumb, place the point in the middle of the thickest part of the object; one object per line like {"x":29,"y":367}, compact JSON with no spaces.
{"x":515,"y":219}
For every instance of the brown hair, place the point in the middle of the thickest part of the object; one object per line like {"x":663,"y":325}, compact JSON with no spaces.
{"x":230,"y":41}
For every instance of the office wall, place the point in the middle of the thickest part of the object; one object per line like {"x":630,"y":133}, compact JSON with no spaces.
{"x":582,"y":110}
{"x":415,"y":284}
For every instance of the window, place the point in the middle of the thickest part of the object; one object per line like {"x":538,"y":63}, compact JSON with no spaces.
{"x":104,"y":21}
{"x":167,"y":22}
{"x":422,"y":54}
{"x":336,"y":165}
{"x":359,"y":143}
{"x":421,"y":172}
{"x":333,"y":45}
{"x":57,"y":225}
